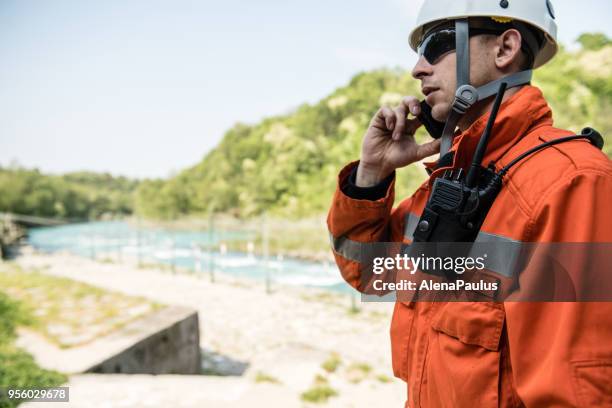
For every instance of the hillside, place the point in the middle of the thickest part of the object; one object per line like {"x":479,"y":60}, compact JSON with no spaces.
{"x":287,"y":165}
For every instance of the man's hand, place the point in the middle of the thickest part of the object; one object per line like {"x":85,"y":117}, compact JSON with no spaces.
{"x":389,"y":143}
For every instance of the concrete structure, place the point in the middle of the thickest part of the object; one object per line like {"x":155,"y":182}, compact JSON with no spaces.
{"x":164,"y":342}
{"x":173,"y":349}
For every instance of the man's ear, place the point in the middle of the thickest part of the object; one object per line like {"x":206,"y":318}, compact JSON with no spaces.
{"x":508,"y":50}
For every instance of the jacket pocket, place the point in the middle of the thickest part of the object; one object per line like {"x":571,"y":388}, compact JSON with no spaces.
{"x":591,"y":381}
{"x":463,"y":360}
{"x":478,"y":324}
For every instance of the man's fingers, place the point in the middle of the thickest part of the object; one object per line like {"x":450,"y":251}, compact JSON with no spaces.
{"x":428,"y":149}
{"x":412,"y":104}
{"x":396,"y":120}
{"x":390,"y":119}
{"x":405,"y":127}
{"x":400,"y":114}
{"x":385,"y":119}
{"x":409,"y":104}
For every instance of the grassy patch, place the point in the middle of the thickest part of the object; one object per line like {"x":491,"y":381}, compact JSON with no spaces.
{"x":17,"y":368}
{"x":353,"y":311}
{"x":358,"y":372}
{"x":363,"y":367}
{"x":261,"y":377}
{"x":383,"y":378}
{"x":67,"y":312}
{"x":332,"y":363}
{"x":319,"y":392}
{"x":12,"y":314}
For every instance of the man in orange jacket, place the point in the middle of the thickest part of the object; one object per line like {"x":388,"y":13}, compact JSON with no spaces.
{"x":485,"y":354}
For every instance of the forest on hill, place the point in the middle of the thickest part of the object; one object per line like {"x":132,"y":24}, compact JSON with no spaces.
{"x":72,"y":196}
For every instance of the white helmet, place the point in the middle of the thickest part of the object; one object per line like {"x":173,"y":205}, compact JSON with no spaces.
{"x":539,"y":14}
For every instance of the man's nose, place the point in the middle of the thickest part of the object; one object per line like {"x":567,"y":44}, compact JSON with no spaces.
{"x":422,"y":68}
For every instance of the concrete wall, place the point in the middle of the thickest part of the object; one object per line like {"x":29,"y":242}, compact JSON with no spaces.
{"x":172,"y":346}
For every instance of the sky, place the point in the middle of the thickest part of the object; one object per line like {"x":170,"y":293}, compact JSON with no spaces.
{"x":147,"y":88}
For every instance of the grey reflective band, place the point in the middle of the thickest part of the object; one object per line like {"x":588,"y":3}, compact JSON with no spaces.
{"x":505,"y":256}
{"x":352,"y":250}
{"x":349,"y":249}
{"x":410,"y":223}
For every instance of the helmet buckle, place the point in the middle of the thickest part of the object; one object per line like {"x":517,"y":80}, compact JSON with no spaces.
{"x":465,"y":97}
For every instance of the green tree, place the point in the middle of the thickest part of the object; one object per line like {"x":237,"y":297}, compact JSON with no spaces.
{"x":593,"y":41}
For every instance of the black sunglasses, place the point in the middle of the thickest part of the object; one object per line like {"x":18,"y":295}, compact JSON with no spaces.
{"x":439,"y":43}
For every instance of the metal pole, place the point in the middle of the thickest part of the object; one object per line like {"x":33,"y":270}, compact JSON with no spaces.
{"x":211,"y":240}
{"x":119,"y":248}
{"x":172,"y":254}
{"x":354,"y":308}
{"x":266,"y":252}
{"x":139,"y":242}
{"x":92,"y":244}
{"x":198,"y":259}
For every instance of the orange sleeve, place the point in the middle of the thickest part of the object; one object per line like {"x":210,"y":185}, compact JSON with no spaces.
{"x":353,"y":224}
{"x":561,"y":353}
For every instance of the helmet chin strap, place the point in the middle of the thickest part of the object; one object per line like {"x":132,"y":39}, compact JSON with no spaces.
{"x":466,"y":95}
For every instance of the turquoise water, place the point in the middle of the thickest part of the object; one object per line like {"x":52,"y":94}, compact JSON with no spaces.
{"x":117,"y":239}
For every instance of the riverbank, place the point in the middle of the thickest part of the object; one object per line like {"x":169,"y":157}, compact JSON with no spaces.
{"x":304,"y":239}
{"x":285,"y":348}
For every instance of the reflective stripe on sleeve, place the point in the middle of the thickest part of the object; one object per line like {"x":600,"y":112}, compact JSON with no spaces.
{"x":349,"y":249}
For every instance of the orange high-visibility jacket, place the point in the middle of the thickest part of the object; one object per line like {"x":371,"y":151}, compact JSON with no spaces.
{"x":506,"y":354}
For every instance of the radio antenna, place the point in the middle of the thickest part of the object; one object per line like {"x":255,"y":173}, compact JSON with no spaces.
{"x":474,"y":172}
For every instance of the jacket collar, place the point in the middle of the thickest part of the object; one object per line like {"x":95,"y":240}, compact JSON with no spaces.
{"x":523,"y":111}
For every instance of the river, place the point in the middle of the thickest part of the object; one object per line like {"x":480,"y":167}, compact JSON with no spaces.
{"x":185,"y":249}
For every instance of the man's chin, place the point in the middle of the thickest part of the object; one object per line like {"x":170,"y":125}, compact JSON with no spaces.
{"x":440,"y":112}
